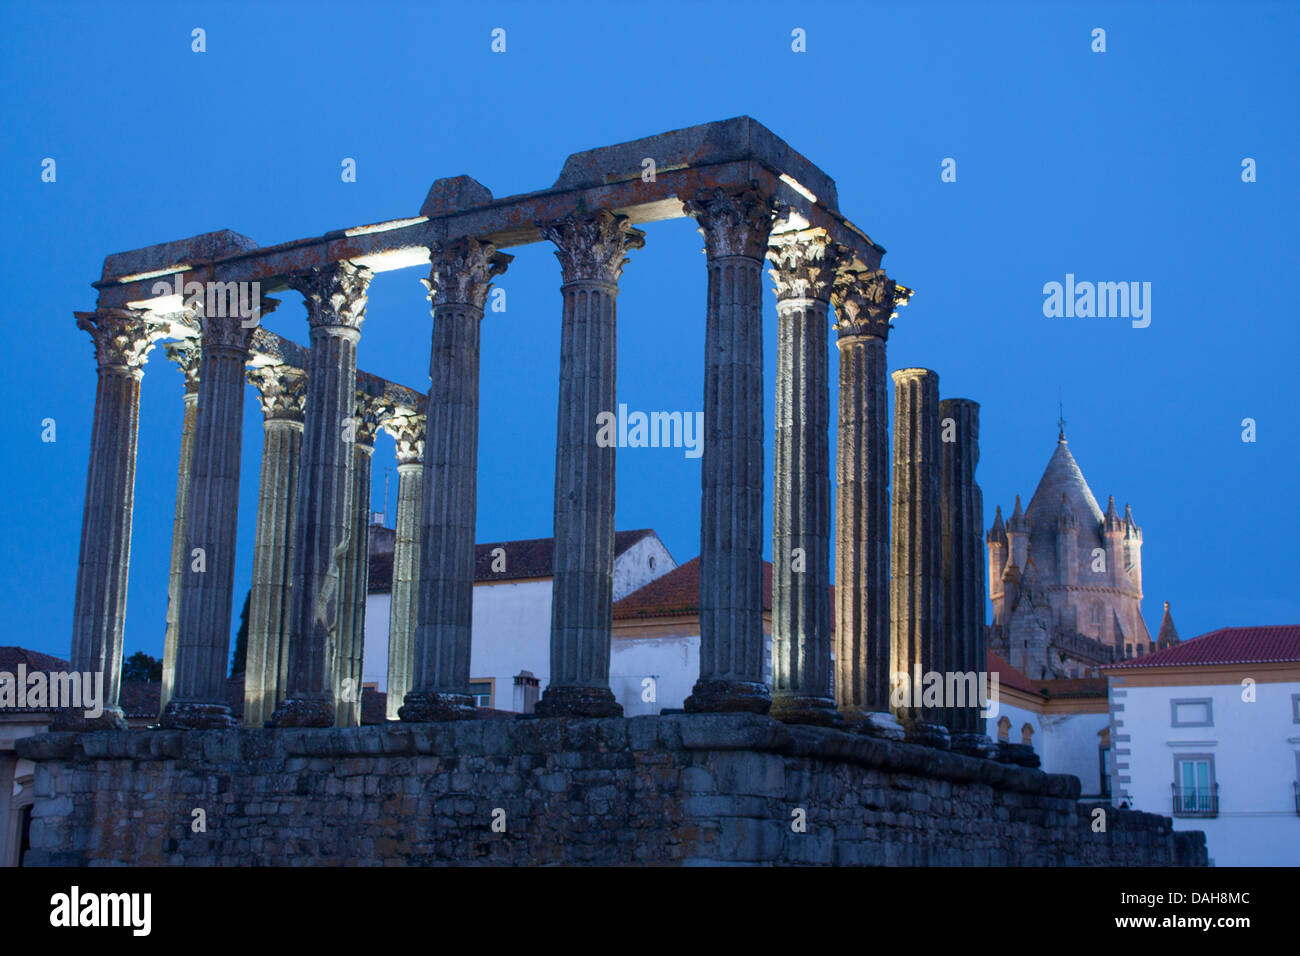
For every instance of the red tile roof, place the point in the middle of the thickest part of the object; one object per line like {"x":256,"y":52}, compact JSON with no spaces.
{"x":11,"y":656}
{"x":525,"y":559}
{"x":1278,"y":644}
{"x":677,"y":593}
{"x":1008,"y":676}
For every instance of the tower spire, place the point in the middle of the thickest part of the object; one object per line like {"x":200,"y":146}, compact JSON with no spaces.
{"x":1060,"y":418}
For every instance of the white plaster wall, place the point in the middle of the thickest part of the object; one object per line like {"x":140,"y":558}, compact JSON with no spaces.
{"x":1254,"y":747}
{"x":512,"y":632}
{"x":632,"y":568}
{"x":1018,"y":717}
{"x":673,"y":663}
{"x":1070,"y":744}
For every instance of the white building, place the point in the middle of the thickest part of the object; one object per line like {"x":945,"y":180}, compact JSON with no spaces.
{"x":512,"y":610}
{"x":1208,"y":731}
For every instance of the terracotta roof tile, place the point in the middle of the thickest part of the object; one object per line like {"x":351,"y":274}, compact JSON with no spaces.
{"x":677,"y":593}
{"x":1279,"y":644}
{"x":1009,"y":676}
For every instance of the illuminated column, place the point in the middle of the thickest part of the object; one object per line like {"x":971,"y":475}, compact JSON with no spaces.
{"x":916,"y":614}
{"x":962,"y":510}
{"x":198,"y":698}
{"x":459,"y":281}
{"x":591,"y":249}
{"x":324,"y":517}
{"x":806,"y":263}
{"x":283,"y":391}
{"x":185,"y":354}
{"x":864,"y":303}
{"x":356,"y":570}
{"x":122,"y":342}
{"x":408,"y":432}
{"x":736,"y":227}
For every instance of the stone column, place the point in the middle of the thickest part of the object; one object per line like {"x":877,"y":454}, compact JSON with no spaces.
{"x":323,"y":515}
{"x":8,"y":768}
{"x":458,"y":283}
{"x":805,"y":267}
{"x":408,"y":432}
{"x":283,"y":390}
{"x":736,"y":227}
{"x":962,"y":510}
{"x":591,"y":249}
{"x":916,"y":612}
{"x":122,"y":342}
{"x":356,"y":570}
{"x":185,"y":354}
{"x":864,"y":303}
{"x":198,"y":698}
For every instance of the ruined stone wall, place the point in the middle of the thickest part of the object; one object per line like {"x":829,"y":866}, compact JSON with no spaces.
{"x":646,"y":790}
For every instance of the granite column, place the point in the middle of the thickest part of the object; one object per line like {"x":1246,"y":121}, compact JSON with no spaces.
{"x":356,"y":569}
{"x":186,"y":354}
{"x":408,"y":431}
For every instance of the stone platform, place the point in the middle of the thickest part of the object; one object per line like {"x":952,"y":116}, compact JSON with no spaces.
{"x":677,"y":790}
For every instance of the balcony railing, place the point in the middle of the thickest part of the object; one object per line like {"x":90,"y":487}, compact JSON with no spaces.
{"x":1196,"y":801}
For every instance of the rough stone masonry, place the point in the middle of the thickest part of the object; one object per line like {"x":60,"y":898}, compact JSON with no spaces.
{"x":671,"y":790}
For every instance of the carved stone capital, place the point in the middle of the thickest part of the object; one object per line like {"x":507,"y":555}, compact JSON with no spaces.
{"x":865,"y":302}
{"x":335,"y":296}
{"x":407,"y":429}
{"x":592,"y":246}
{"x":282,"y":390}
{"x":186,"y":354}
{"x":733,"y":224}
{"x":805,"y":264}
{"x":227,"y":332}
{"x":371,"y":410}
{"x":461,"y":271}
{"x":123,"y":337}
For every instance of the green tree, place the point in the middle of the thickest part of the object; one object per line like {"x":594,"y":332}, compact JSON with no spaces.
{"x":140,"y":666}
{"x":240,"y":656}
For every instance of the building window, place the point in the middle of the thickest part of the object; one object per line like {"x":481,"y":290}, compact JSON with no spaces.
{"x":1104,"y":757}
{"x":1195,"y":792}
{"x":1128,"y":650}
{"x":1295,"y":708}
{"x":481,"y":691}
{"x":1004,"y":728}
{"x":652,"y":562}
{"x":1195,"y":712}
{"x":1096,"y":615}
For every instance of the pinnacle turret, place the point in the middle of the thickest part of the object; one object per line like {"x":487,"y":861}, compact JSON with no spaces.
{"x":1168,"y":635}
{"x":1017,"y":522}
{"x":1066,"y":520}
{"x":1111,"y":520}
{"x":997,"y":534}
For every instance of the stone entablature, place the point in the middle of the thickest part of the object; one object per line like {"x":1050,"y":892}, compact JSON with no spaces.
{"x":686,"y":789}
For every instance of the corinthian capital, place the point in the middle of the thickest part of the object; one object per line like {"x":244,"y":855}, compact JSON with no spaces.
{"x":123,"y":337}
{"x":282,"y":389}
{"x":407,"y":429}
{"x":186,"y":354}
{"x":865,"y":302}
{"x":592,"y":246}
{"x":335,"y":295}
{"x":733,"y":224}
{"x":371,"y":409}
{"x":461,"y":271}
{"x":805,"y":264}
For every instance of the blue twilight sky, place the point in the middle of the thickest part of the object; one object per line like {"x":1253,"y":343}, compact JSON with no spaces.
{"x":1115,"y":166}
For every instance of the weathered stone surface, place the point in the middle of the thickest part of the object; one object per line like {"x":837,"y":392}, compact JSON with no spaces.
{"x":961,"y":506}
{"x":685,"y":790}
{"x":186,"y":354}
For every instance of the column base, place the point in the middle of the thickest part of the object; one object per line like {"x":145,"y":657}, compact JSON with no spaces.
{"x":304,"y":712}
{"x":874,"y":724}
{"x":973,"y":745}
{"x":927,"y":734}
{"x":422,"y":707}
{"x":76,"y":721}
{"x":190,"y":715}
{"x":576,"y":701}
{"x":1022,"y":755}
{"x":806,"y":710}
{"x":728,"y":696}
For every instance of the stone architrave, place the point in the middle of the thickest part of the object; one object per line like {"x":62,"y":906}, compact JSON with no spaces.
{"x":407,"y":431}
{"x":459,"y":281}
{"x":805,"y":267}
{"x":592,"y":252}
{"x":918,"y":647}
{"x":962,"y":511}
{"x":324,"y":514}
{"x":283,"y":392}
{"x":198,"y":698}
{"x":123,"y":339}
{"x":864,"y":304}
{"x":186,"y":354}
{"x":356,"y":569}
{"x":736,"y":228}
